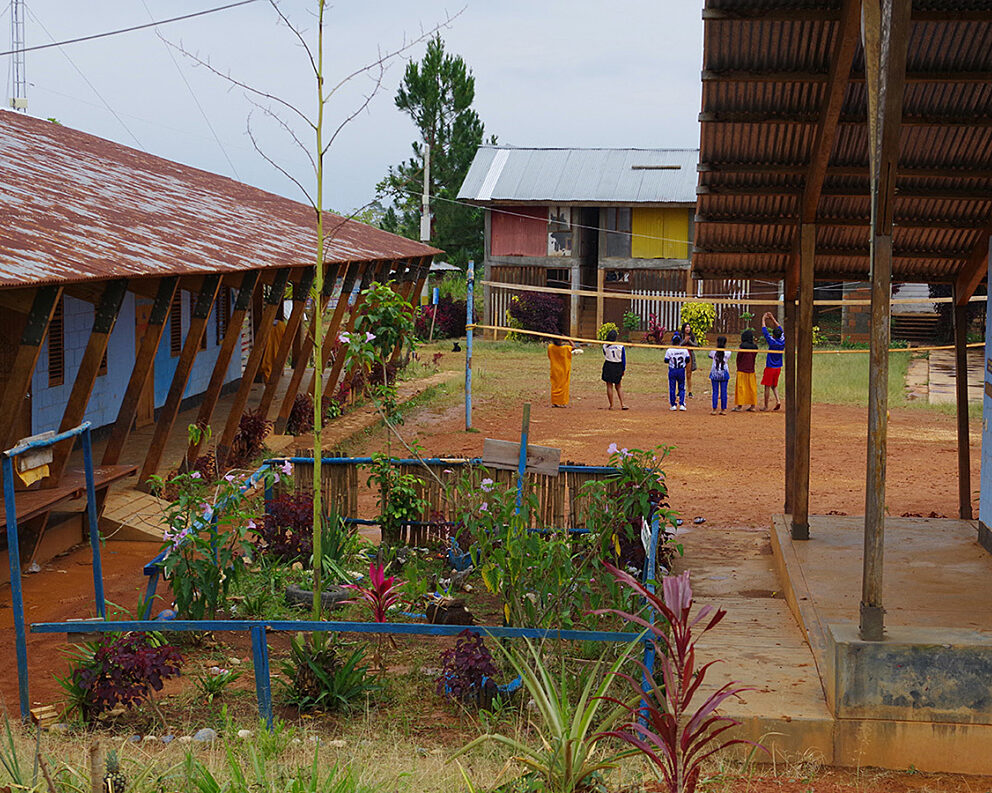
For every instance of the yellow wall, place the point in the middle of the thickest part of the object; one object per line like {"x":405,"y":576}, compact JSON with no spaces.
{"x":647,"y":225}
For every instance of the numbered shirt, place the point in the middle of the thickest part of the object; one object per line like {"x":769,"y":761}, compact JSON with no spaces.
{"x":676,"y":358}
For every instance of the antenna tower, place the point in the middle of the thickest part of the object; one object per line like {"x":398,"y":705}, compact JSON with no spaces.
{"x":19,"y":83}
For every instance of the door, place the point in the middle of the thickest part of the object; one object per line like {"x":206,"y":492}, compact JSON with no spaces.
{"x":11,"y":327}
{"x":146,"y":403}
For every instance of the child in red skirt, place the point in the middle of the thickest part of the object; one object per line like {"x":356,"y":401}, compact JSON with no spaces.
{"x":773,"y":361}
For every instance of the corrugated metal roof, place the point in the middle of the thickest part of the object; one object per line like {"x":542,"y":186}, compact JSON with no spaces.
{"x":602,"y":176}
{"x":765,"y":70}
{"x":76,"y":207}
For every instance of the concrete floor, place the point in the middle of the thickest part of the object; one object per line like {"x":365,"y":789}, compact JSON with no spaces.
{"x":941,"y":379}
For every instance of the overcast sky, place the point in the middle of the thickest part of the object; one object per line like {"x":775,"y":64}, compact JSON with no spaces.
{"x":621,"y":74}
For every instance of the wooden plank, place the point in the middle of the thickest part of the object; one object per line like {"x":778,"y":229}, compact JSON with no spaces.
{"x":232,"y":336}
{"x":143,"y":363}
{"x":301,"y":293}
{"x":505,"y":456}
{"x":974,"y":270}
{"x":104,"y":318}
{"x":240,"y":401}
{"x":191,"y":347}
{"x":19,"y":300}
{"x":961,"y":402}
{"x":18,"y":384}
{"x":804,"y":382}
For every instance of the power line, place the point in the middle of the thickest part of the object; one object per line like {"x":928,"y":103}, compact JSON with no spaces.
{"x":130,"y":29}
{"x":86,"y":80}
{"x":196,"y":101}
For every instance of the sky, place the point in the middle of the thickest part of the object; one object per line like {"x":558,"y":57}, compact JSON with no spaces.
{"x":547,"y":74}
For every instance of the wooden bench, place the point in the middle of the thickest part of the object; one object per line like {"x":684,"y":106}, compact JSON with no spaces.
{"x":32,"y":503}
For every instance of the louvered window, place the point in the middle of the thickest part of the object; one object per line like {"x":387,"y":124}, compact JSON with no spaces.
{"x":223,"y":312}
{"x":56,"y":346}
{"x":176,"y":325}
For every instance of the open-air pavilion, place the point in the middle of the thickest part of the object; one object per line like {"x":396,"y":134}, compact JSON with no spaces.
{"x":852,"y":140}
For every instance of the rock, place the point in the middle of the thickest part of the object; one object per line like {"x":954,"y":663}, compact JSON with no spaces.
{"x":233,"y":661}
{"x":467,"y":588}
{"x":149,"y":738}
{"x":34,"y":567}
{"x":297,"y":565}
{"x":185,"y":739}
{"x":698,"y":521}
{"x":61,"y":727}
{"x":296,"y":741}
{"x":449,"y":611}
{"x":134,"y":739}
{"x":206,"y":735}
{"x":245,"y":734}
{"x":167,"y":739}
{"x":314,"y":739}
{"x":339,"y":744}
{"x":458,"y":577}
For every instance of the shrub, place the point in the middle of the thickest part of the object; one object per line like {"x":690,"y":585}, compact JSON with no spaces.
{"x":118,"y":670}
{"x":700,"y":317}
{"x":248,"y":440}
{"x":468,"y":671}
{"x":631,"y":321}
{"x":449,"y":319}
{"x":206,"y":466}
{"x":301,"y":416}
{"x":381,"y":594}
{"x":287,"y":530}
{"x":605,"y":329}
{"x":656,"y":332}
{"x":536,"y":311}
{"x":318,"y":679}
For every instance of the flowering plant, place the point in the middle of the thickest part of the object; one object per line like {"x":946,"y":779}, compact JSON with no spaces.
{"x":381,"y":594}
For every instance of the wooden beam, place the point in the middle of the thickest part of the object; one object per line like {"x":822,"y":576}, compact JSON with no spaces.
{"x":804,"y":383}
{"x":232,"y":337}
{"x":782,"y":250}
{"x":773,"y":14}
{"x":104,"y":317}
{"x":964,"y":224}
{"x":191,"y":346}
{"x":789,"y":364}
{"x":144,"y":362}
{"x":885,"y":25}
{"x":974,"y":270}
{"x":19,"y":300}
{"x":961,"y":402}
{"x":847,"y":191}
{"x":19,"y":380}
{"x":307,"y":348}
{"x":847,"y":119}
{"x":747,"y":76}
{"x":370,"y":275}
{"x":301,"y":293}
{"x":240,"y":401}
{"x":950,"y":171}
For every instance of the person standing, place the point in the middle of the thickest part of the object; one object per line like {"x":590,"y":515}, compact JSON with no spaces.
{"x":689,"y":341}
{"x":720,"y":375}
{"x":677,"y":358}
{"x":773,"y":363}
{"x":560,"y":353}
{"x":746,"y":388}
{"x":614,"y":367}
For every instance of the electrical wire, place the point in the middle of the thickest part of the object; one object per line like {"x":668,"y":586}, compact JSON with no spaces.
{"x":130,"y":29}
{"x":196,"y":101}
{"x":86,"y":79}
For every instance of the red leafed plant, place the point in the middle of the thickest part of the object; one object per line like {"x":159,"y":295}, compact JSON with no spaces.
{"x":656,"y":331}
{"x":381,"y":594}
{"x":671,"y":735}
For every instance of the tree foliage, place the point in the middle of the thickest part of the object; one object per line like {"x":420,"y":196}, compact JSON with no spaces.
{"x":437,"y":93}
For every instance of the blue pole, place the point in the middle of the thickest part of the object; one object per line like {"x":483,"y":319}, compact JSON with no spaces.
{"x":522,"y":459}
{"x":93,"y":519}
{"x":469,"y":320}
{"x":649,"y":581}
{"x":263,"y":684}
{"x":16,"y":596}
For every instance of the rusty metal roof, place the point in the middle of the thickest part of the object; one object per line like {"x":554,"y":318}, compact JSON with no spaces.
{"x":765,"y":76}
{"x":76,"y":207}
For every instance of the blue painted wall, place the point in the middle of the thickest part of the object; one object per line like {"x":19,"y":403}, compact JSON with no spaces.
{"x":48,"y":404}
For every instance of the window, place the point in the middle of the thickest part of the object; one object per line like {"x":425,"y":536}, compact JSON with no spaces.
{"x":559,"y":231}
{"x":56,"y":346}
{"x":558,"y":278}
{"x":176,"y":324}
{"x":618,"y":232}
{"x":222,"y":311}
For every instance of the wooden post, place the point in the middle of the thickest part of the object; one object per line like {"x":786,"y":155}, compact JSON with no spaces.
{"x":600,"y":284}
{"x":104,"y":317}
{"x":191,"y":346}
{"x":789,"y":361}
{"x":885,"y":28}
{"x":269,"y":312}
{"x":804,"y":383}
{"x":961,"y":392}
{"x":19,"y":382}
{"x":573,"y":307}
{"x":143,"y":363}
{"x":232,"y":336}
{"x":301,"y":291}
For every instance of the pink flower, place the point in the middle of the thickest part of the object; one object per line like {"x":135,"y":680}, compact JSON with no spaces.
{"x":369,"y":337}
{"x":484,"y":507}
{"x":344,"y":338}
{"x":612,"y":449}
{"x":250,"y":524}
{"x":286,"y":468}
{"x":486,"y":484}
{"x":194,"y":475}
{"x":208,"y":512}
{"x":229,"y":477}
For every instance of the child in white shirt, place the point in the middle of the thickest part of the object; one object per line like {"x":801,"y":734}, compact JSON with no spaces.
{"x":677,"y":358}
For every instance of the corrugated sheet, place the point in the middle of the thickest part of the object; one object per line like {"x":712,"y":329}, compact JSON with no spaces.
{"x":947,"y":129}
{"x":608,"y":176}
{"x":76,"y":207}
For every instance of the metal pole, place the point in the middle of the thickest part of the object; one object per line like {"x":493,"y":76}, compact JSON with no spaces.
{"x":263,"y":684}
{"x":961,"y":391}
{"x":16,"y":596}
{"x":469,"y":320}
{"x":425,"y":211}
{"x":650,"y":576}
{"x":522,"y":460}
{"x":93,"y":519}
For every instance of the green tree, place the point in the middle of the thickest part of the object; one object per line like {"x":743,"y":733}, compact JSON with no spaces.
{"x":437,"y":93}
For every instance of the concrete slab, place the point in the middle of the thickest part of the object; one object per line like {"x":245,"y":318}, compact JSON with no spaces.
{"x":941,"y":376}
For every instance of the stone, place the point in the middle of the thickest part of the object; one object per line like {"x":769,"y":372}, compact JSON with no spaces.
{"x":149,"y":738}
{"x":167,"y":739}
{"x":234,"y":661}
{"x":339,"y":744}
{"x":314,"y":739}
{"x":245,"y":734}
{"x":185,"y":739}
{"x":61,"y":727}
{"x":134,"y":739}
{"x":206,"y":735}
{"x":297,"y":565}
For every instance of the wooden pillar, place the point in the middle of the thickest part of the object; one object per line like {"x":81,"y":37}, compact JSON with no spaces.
{"x":961,"y":393}
{"x":19,"y":382}
{"x":290,"y":339}
{"x":573,"y":312}
{"x":191,"y":346}
{"x":104,"y":317}
{"x":789,"y":362}
{"x":269,"y":312}
{"x":885,"y":28}
{"x":371,"y":274}
{"x":600,"y":285}
{"x":232,"y":336}
{"x":804,"y":383}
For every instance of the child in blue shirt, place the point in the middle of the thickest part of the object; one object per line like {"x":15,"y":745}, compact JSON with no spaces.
{"x":677,"y":358}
